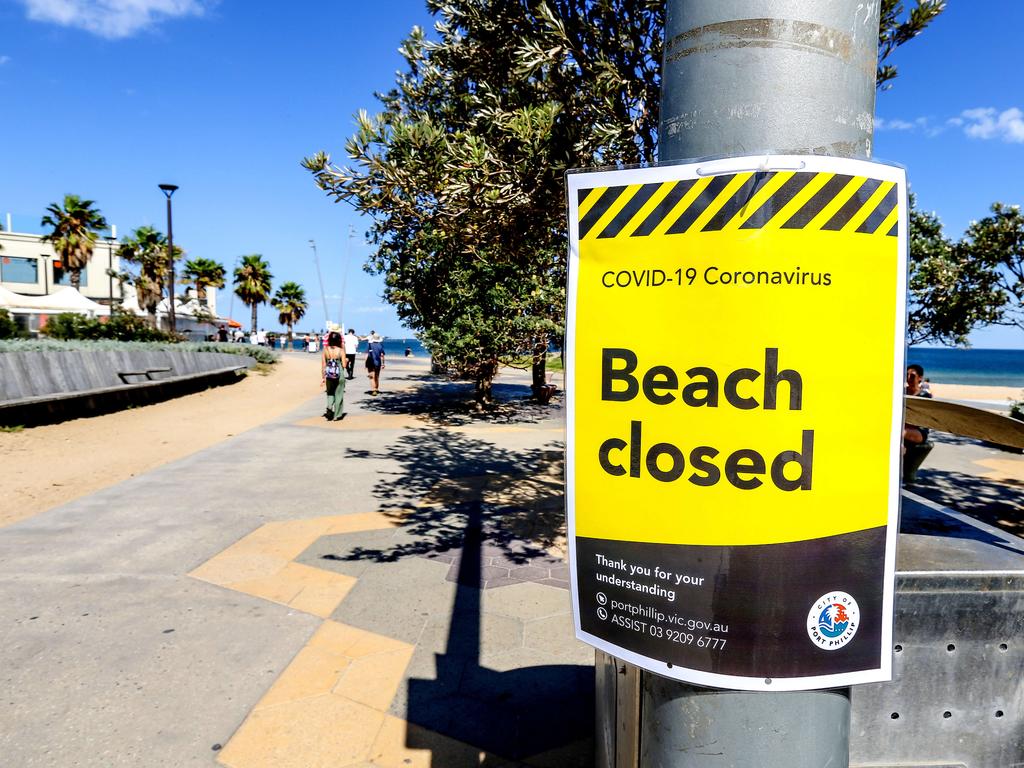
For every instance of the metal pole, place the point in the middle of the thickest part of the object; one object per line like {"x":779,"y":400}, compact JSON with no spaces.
{"x":744,"y":77}
{"x":750,"y":76}
{"x":168,"y":190}
{"x":170,"y":266}
{"x":320,"y":277}
{"x":110,"y":273}
{"x":344,"y":278}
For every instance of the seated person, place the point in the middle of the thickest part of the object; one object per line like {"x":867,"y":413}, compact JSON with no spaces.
{"x":913,"y":435}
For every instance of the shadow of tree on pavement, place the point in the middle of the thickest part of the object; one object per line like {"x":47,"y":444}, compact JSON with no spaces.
{"x":496,"y":515}
{"x":999,"y":503}
{"x":442,"y":471}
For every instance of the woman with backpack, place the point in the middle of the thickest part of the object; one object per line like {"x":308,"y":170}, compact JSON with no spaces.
{"x":332,"y":363}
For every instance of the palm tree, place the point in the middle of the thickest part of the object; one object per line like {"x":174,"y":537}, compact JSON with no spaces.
{"x":147,"y":248}
{"x":204,"y":273}
{"x":75,"y":227}
{"x":290,"y":302}
{"x":252,"y":282}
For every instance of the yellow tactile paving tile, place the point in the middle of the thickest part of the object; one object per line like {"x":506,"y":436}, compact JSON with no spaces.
{"x":269,"y":549}
{"x":260,"y":564}
{"x":374,"y":680}
{"x":328,"y":708}
{"x":343,"y":679}
{"x":313,"y":672}
{"x":235,"y":566}
{"x":363,"y":421}
{"x":306,"y":589}
{"x":1003,"y":469}
{"x":324,"y":731}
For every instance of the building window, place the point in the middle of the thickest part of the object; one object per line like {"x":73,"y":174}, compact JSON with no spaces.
{"x":63,"y":276}
{"x":16,"y":269}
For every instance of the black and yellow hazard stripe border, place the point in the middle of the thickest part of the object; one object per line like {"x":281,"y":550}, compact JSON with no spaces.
{"x":862,"y":200}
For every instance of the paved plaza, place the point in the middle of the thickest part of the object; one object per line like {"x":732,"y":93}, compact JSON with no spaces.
{"x":388,"y":590}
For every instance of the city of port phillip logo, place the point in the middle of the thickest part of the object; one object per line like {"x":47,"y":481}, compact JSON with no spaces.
{"x":833,"y":620}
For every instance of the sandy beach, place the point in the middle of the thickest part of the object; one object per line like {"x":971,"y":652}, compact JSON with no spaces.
{"x":49,"y":465}
{"x":1002,"y":395}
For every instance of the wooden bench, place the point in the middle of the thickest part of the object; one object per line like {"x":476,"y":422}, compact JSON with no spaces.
{"x":148,"y":373}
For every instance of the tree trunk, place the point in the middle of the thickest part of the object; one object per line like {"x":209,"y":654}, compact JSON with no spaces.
{"x":254,"y":306}
{"x":484,"y":396}
{"x":484,"y":379}
{"x":540,"y":361}
{"x":76,"y":277}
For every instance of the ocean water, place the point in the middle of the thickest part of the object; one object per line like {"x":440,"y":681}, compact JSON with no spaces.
{"x":990,"y":367}
{"x":394,"y":348}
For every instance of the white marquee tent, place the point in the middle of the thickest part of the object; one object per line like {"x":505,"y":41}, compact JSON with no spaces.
{"x":63,"y":299}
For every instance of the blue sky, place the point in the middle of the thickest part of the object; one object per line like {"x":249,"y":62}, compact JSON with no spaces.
{"x":108,"y":98}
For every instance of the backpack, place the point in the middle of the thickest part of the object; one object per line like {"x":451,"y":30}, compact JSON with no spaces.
{"x":333,"y":368}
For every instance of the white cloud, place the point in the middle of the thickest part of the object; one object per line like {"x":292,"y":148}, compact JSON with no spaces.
{"x":979,"y":123}
{"x":882,"y":124}
{"x":918,"y":125}
{"x":111,"y":19}
{"x":990,"y":123}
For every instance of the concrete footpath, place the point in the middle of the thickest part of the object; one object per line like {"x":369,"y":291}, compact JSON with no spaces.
{"x":386,"y":590}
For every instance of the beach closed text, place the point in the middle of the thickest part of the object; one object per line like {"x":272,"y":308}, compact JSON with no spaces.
{"x":768,"y":387}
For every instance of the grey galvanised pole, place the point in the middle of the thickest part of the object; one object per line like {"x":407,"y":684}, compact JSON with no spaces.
{"x":747,"y":77}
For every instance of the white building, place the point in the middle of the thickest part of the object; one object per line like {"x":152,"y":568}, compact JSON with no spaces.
{"x":31,"y":269}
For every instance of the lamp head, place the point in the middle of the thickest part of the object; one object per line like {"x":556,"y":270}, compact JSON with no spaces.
{"x":168,"y":189}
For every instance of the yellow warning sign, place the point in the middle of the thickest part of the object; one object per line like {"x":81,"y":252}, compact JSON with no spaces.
{"x":735,"y":352}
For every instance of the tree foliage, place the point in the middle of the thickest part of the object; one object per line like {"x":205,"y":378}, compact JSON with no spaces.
{"x":204,"y":274}
{"x":997,"y":241}
{"x":147,"y":249}
{"x":252,"y":282}
{"x":897,"y":27}
{"x":8,"y":326}
{"x":290,"y":303}
{"x":75,"y":226}
{"x":953,"y":286}
{"x":462,"y":172}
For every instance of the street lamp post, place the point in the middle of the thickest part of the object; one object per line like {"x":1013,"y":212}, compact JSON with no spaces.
{"x":344,"y":278}
{"x":320,"y":277}
{"x":168,"y":190}
{"x":110,"y":269}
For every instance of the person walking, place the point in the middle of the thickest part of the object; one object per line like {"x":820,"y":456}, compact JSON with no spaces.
{"x":331,"y":364}
{"x":351,"y":345}
{"x":375,"y":361}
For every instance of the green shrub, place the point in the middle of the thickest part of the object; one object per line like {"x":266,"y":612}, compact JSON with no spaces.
{"x":1017,"y":410}
{"x":255,"y":351}
{"x":8,"y":327}
{"x":258,"y":353}
{"x":120,"y":327}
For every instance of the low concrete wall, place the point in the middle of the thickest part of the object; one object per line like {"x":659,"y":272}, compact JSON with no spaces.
{"x":64,"y":373}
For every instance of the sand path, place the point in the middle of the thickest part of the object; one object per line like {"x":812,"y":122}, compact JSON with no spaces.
{"x":974,"y":392}
{"x":50,"y":465}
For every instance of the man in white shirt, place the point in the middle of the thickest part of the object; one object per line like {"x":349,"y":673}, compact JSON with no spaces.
{"x":351,"y":345}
